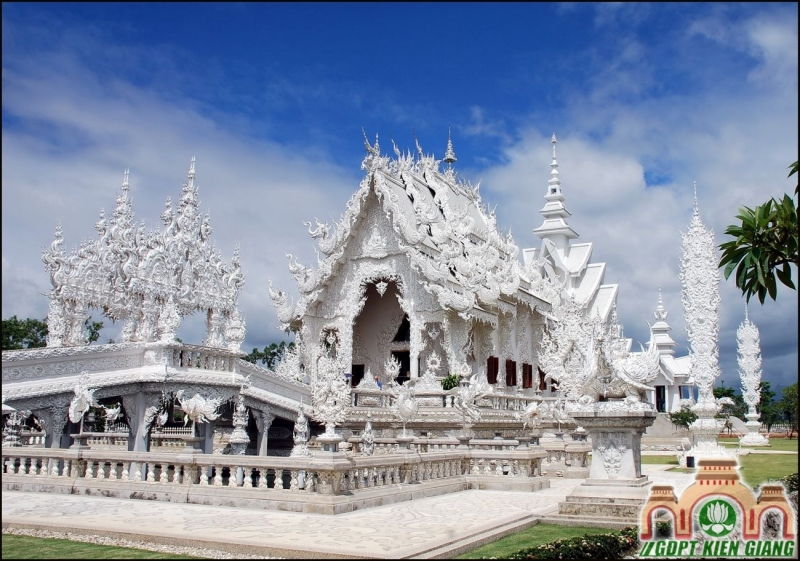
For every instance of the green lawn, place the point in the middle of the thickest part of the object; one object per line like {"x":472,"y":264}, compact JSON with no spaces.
{"x":757,"y":468}
{"x":533,"y":536}
{"x":673,"y":459}
{"x":26,"y":547}
{"x":783,"y":444}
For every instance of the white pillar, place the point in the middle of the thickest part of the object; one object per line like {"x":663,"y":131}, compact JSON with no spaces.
{"x":264,"y":421}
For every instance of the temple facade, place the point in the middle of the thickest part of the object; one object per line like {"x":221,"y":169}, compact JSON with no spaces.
{"x":674,"y":382}
{"x":417,"y":273}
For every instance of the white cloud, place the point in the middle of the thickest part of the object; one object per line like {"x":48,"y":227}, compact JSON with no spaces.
{"x":250,"y":187}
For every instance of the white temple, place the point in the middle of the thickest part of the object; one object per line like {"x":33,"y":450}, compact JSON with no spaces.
{"x":414,"y":283}
{"x":673,"y":383}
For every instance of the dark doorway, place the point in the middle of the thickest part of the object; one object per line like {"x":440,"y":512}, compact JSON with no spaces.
{"x":661,"y":399}
{"x":405,"y":365}
{"x":358,"y":374}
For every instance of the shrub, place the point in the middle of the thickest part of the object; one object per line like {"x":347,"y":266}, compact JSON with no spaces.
{"x":683,"y":418}
{"x":451,"y":382}
{"x":612,"y":545}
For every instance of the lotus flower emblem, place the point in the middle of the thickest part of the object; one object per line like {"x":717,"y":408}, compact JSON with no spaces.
{"x":717,"y":518}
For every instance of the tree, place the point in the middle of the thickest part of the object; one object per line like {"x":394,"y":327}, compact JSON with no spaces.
{"x":23,"y":333}
{"x":765,"y":246}
{"x":31,"y":333}
{"x":788,"y":407}
{"x":739,"y":407}
{"x":271,"y":355}
{"x":767,"y":408}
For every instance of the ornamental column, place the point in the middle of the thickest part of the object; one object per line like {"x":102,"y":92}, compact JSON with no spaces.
{"x":140,"y":410}
{"x":263,"y":421}
{"x":749,"y":351}
{"x":700,"y":298}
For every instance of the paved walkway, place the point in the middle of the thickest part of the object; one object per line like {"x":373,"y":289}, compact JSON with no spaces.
{"x":394,"y":531}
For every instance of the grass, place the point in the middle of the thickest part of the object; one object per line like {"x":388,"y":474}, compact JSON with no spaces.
{"x":781,"y":444}
{"x":27,"y":547}
{"x":533,"y":536}
{"x":758,"y":468}
{"x":673,"y":459}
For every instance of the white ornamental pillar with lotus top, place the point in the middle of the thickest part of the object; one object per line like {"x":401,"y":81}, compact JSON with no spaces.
{"x":700,"y":298}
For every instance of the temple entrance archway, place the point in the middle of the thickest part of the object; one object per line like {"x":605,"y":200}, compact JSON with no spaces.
{"x":378,"y":329}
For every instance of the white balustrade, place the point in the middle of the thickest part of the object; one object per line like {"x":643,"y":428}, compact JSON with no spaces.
{"x":316,"y":474}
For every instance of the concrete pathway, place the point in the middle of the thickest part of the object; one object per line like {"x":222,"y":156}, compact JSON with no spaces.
{"x":407,"y":529}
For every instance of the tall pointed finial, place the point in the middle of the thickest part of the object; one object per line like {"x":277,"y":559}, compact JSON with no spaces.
{"x":450,"y":153}
{"x":554,"y":183}
{"x":125,"y":179}
{"x":696,"y":206}
{"x":746,"y":318}
{"x":192,"y":166}
{"x":377,"y":146}
{"x":661,"y":312}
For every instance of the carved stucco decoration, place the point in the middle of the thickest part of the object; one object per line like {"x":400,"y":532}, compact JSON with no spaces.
{"x":700,"y":297}
{"x":330,"y":393}
{"x":749,"y":359}
{"x":449,"y":237}
{"x":612,"y":447}
{"x":149,"y":280}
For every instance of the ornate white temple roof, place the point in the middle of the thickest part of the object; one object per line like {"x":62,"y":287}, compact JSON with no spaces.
{"x":440,"y":224}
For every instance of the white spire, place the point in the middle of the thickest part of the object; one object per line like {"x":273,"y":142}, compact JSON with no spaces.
{"x":555,"y":226}
{"x":554,"y":184}
{"x":661,"y":312}
{"x":125,"y":176}
{"x":660,"y":330}
{"x":450,"y":153}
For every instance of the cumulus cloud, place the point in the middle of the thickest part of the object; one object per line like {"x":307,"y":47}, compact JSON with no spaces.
{"x":251,"y":187}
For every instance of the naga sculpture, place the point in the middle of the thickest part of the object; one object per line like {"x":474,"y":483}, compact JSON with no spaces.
{"x":198,"y":409}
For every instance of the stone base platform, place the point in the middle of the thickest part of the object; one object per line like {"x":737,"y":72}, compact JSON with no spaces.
{"x":620,"y":500}
{"x":282,"y":500}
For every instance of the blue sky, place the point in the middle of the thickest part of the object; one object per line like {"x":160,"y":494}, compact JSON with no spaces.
{"x":271,"y":99}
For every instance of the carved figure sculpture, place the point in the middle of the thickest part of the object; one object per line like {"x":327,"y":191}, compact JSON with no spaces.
{"x":368,"y":438}
{"x":467,"y":393}
{"x":198,"y":409}
{"x":300,"y":447}
{"x":83,"y":399}
{"x":330,"y":393}
{"x":405,"y":404}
